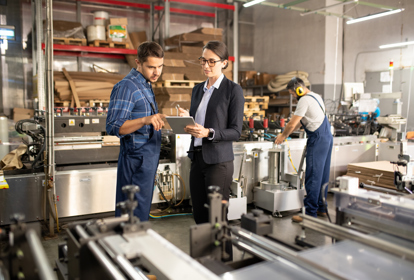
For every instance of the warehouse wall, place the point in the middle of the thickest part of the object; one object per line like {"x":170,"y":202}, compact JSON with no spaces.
{"x":286,"y":41}
{"x":363,"y":60}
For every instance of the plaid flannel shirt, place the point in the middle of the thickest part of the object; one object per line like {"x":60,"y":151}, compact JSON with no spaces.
{"x":130,"y":99}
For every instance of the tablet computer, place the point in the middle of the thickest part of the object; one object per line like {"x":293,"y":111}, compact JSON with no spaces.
{"x":179,"y":123}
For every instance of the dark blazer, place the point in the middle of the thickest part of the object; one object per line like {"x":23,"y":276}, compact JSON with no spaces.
{"x":225,"y":115}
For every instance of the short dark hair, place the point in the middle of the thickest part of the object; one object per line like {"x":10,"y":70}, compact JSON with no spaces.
{"x":219,"y":48}
{"x":294,"y":83}
{"x":148,"y":49}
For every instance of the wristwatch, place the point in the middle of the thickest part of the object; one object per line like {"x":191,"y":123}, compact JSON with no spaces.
{"x":211,"y":133}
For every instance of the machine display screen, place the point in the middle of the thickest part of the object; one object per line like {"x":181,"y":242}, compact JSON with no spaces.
{"x":7,"y":32}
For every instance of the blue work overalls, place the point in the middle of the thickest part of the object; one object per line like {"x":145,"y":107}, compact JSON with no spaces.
{"x":138,"y":167}
{"x":318,"y":163}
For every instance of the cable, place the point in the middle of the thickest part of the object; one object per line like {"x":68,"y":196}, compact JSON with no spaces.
{"x":324,"y":186}
{"x":184,"y":191}
{"x":170,"y":215}
{"x":290,"y":156}
{"x":280,"y":82}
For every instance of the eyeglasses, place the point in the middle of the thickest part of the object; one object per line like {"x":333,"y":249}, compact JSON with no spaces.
{"x":210,"y":62}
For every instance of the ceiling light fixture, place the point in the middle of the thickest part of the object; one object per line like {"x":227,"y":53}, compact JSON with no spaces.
{"x":251,"y":3}
{"x":374,"y":16}
{"x":402,"y":44}
{"x":328,"y":7}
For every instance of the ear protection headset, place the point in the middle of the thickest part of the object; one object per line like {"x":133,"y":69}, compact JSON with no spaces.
{"x":298,"y":88}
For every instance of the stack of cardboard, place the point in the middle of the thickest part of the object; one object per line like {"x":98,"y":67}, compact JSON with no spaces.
{"x":185,"y":49}
{"x":135,"y":39}
{"x":377,"y":173}
{"x":79,"y":88}
{"x":169,"y":94}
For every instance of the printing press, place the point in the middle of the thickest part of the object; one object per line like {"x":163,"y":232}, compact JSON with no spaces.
{"x":124,"y":248}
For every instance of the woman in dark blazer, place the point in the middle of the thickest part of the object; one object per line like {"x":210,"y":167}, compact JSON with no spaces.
{"x":217,"y":107}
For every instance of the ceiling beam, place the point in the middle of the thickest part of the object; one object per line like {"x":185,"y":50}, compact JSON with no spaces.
{"x":379,"y":6}
{"x":303,"y":10}
{"x":293,"y":3}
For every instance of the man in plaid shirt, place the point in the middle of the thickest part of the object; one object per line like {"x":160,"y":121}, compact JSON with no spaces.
{"x":133,"y":116}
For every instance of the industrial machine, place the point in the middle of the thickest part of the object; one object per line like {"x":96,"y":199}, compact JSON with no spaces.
{"x":353,"y":255}
{"x":21,"y":254}
{"x":123,"y":248}
{"x":277,"y":194}
{"x":404,"y":181}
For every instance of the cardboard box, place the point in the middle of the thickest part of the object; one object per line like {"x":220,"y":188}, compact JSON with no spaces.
{"x":137,"y":38}
{"x":174,"y":63}
{"x":247,"y":78}
{"x":117,"y":33}
{"x":22,"y":114}
{"x":172,"y":76}
{"x":118,"y":21}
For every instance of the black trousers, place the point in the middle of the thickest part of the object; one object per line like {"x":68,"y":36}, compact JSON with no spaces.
{"x":203,"y":175}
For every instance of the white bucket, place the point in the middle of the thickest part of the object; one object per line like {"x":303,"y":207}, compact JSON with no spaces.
{"x":96,"y":32}
{"x":100,"y":18}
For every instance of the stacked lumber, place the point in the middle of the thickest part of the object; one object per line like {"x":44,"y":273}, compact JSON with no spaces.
{"x":169,"y":94}
{"x":182,"y":58}
{"x":254,"y":106}
{"x":377,"y":173}
{"x":81,"y":87}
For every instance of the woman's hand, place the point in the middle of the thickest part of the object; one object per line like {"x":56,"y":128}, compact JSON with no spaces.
{"x":183,"y":113}
{"x":198,"y":131}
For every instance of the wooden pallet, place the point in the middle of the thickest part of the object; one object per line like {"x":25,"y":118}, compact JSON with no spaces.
{"x":177,"y":84}
{"x":259,"y":99}
{"x":109,"y":44}
{"x":69,"y":41}
{"x":62,"y":103}
{"x":96,"y":103}
{"x":255,"y":114}
{"x":257,"y":106}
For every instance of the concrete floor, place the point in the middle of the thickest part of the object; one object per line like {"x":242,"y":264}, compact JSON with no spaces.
{"x":176,"y":230}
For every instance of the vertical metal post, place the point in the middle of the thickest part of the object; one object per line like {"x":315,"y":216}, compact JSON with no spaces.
{"x":215,"y":18}
{"x":39,"y":55}
{"x":34,"y":55}
{"x":50,"y":182}
{"x":167,"y":18}
{"x":236,"y":42}
{"x":79,"y":19}
{"x":151,"y":22}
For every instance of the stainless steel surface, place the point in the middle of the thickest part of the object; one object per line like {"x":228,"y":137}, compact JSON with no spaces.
{"x":269,"y":270}
{"x":344,"y":153}
{"x":276,"y":200}
{"x":389,"y":151}
{"x":96,"y":155}
{"x":158,"y":255}
{"x":291,"y":257}
{"x":39,"y":256}
{"x":342,"y":233}
{"x":376,"y":211}
{"x":83,"y":192}
{"x":180,"y":157}
{"x":273,"y":166}
{"x":353,"y":260}
{"x":100,"y":256}
{"x":24,"y":195}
